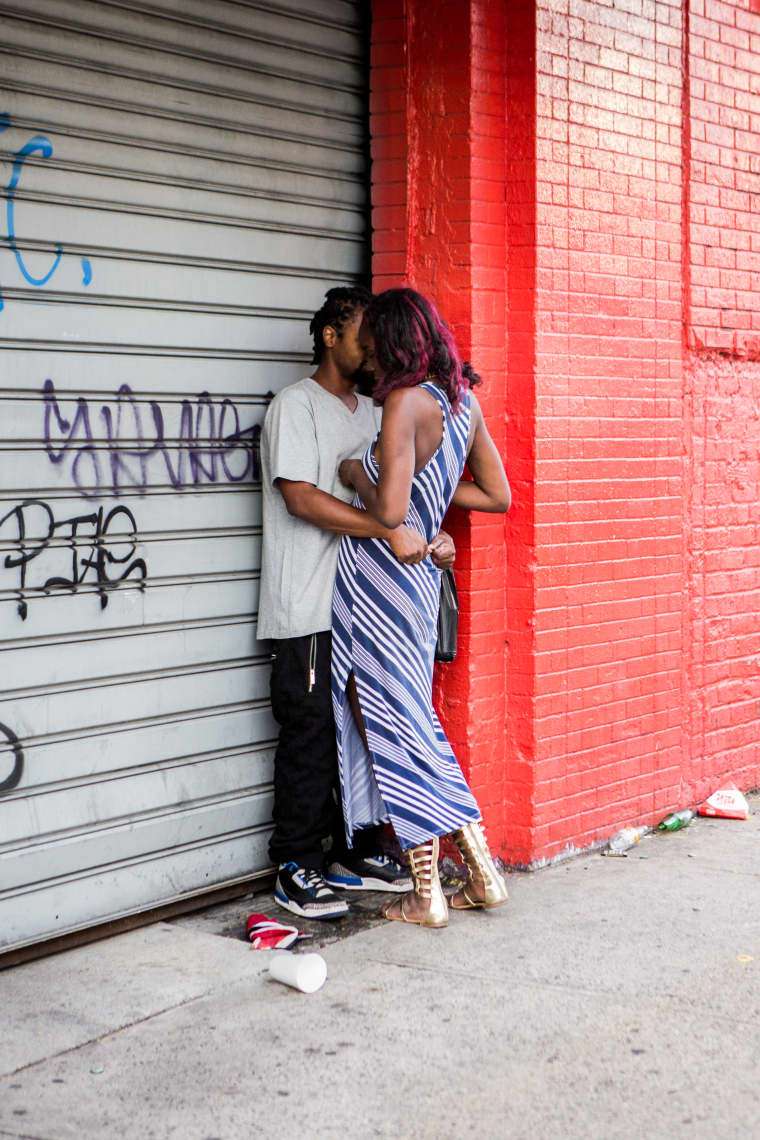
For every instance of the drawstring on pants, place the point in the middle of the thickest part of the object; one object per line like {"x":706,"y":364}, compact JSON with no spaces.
{"x":312,"y":661}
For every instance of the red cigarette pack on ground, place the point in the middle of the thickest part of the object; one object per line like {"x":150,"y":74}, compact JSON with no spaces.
{"x":726,"y":803}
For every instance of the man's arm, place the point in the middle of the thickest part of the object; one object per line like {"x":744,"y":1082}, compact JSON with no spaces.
{"x":290,"y":443}
{"x":307,"y":502}
{"x":441,"y":550}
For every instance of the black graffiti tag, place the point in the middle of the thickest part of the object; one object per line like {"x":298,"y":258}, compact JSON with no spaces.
{"x":209,"y":446}
{"x":18,"y":759}
{"x":93,"y":545}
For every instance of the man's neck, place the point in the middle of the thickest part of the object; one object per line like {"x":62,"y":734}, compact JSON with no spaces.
{"x":329,"y":378}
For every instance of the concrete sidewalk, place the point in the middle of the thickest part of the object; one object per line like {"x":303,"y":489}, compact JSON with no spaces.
{"x":611,"y":997}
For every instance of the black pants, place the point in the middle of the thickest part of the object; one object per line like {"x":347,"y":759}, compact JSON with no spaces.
{"x":306,"y":787}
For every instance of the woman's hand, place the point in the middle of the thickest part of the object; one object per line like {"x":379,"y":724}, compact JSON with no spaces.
{"x":347,"y":472}
{"x":442,"y":551}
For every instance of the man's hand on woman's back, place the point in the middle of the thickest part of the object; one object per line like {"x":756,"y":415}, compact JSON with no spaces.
{"x":410,"y":547}
{"x":408,"y":544}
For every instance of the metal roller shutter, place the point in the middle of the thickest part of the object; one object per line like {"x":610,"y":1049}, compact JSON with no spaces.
{"x":183,"y":181}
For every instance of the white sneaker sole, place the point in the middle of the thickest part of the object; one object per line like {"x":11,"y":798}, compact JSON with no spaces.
{"x":315,"y":910}
{"x":401,"y":886}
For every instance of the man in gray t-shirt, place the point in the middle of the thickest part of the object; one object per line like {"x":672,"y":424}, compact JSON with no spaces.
{"x":310,"y":427}
{"x":308,"y":432}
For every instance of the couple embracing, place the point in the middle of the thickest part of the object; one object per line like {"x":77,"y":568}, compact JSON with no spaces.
{"x":350,"y":582}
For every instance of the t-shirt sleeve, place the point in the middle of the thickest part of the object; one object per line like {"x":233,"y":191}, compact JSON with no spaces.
{"x":291,"y":440}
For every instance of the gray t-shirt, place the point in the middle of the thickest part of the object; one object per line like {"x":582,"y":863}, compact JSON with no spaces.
{"x":307,"y":434}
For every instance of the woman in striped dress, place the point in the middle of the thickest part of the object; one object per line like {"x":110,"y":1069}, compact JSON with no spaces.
{"x":395,"y":761}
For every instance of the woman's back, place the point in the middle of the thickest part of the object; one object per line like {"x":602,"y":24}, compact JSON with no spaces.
{"x":440,"y":445}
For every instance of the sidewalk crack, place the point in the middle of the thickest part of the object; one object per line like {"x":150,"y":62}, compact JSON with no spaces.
{"x":94,"y":1040}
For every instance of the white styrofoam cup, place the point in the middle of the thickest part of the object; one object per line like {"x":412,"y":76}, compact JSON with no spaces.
{"x":305,"y":972}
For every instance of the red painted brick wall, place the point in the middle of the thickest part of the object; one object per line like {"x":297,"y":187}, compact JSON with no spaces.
{"x":724,"y":585}
{"x":609,"y":494}
{"x":723,"y":108}
{"x":572,"y":181}
{"x":722,"y":392}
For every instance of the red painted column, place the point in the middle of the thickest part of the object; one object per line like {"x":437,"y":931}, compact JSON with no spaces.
{"x":438,"y":126}
{"x":521,"y":200}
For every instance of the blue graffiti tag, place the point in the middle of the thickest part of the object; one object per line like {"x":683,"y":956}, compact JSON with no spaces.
{"x":37,"y":145}
{"x":44,"y":146}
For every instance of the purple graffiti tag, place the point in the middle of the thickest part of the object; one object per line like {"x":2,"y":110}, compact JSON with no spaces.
{"x":202,"y":450}
{"x":69,"y":433}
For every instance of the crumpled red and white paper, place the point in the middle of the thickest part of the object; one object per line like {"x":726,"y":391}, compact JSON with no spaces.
{"x":267,"y":934}
{"x":727,"y":803}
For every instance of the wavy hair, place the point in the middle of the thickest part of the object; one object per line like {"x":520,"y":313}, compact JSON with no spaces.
{"x":412,"y":344}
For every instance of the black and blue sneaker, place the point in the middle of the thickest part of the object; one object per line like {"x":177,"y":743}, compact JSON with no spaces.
{"x":368,"y":873}
{"x":303,"y":891}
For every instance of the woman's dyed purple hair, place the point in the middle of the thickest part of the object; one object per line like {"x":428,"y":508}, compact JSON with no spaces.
{"x":412,"y":343}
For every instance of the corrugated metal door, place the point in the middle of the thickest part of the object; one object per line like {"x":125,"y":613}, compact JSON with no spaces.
{"x":182,"y":183}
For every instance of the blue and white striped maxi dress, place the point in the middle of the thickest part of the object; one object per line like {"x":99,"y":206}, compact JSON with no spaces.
{"x":385,"y":622}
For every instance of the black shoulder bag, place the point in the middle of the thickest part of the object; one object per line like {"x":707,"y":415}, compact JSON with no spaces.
{"x":448,"y":618}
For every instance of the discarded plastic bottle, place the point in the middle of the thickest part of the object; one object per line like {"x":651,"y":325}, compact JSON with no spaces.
{"x":676,"y":820}
{"x":623,"y":840}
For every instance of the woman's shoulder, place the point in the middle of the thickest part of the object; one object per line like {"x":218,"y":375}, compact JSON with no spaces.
{"x":417,"y":396}
{"x":400,"y":404}
{"x":398,"y":397}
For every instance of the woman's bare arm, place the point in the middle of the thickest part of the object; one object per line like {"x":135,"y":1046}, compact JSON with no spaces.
{"x":395,"y":454}
{"x":352,"y":474}
{"x":490,"y":489}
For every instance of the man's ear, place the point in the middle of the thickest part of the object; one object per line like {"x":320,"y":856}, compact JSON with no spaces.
{"x":329,"y":336}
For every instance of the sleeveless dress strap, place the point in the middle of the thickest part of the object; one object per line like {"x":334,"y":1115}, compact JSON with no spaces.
{"x":437,"y":391}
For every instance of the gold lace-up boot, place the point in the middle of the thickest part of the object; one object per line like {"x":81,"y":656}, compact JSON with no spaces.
{"x":433,"y":911}
{"x":485,"y":887}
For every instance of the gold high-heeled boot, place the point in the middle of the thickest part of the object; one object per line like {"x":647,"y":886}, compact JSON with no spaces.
{"x":423,"y":863}
{"x":485,"y":887}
